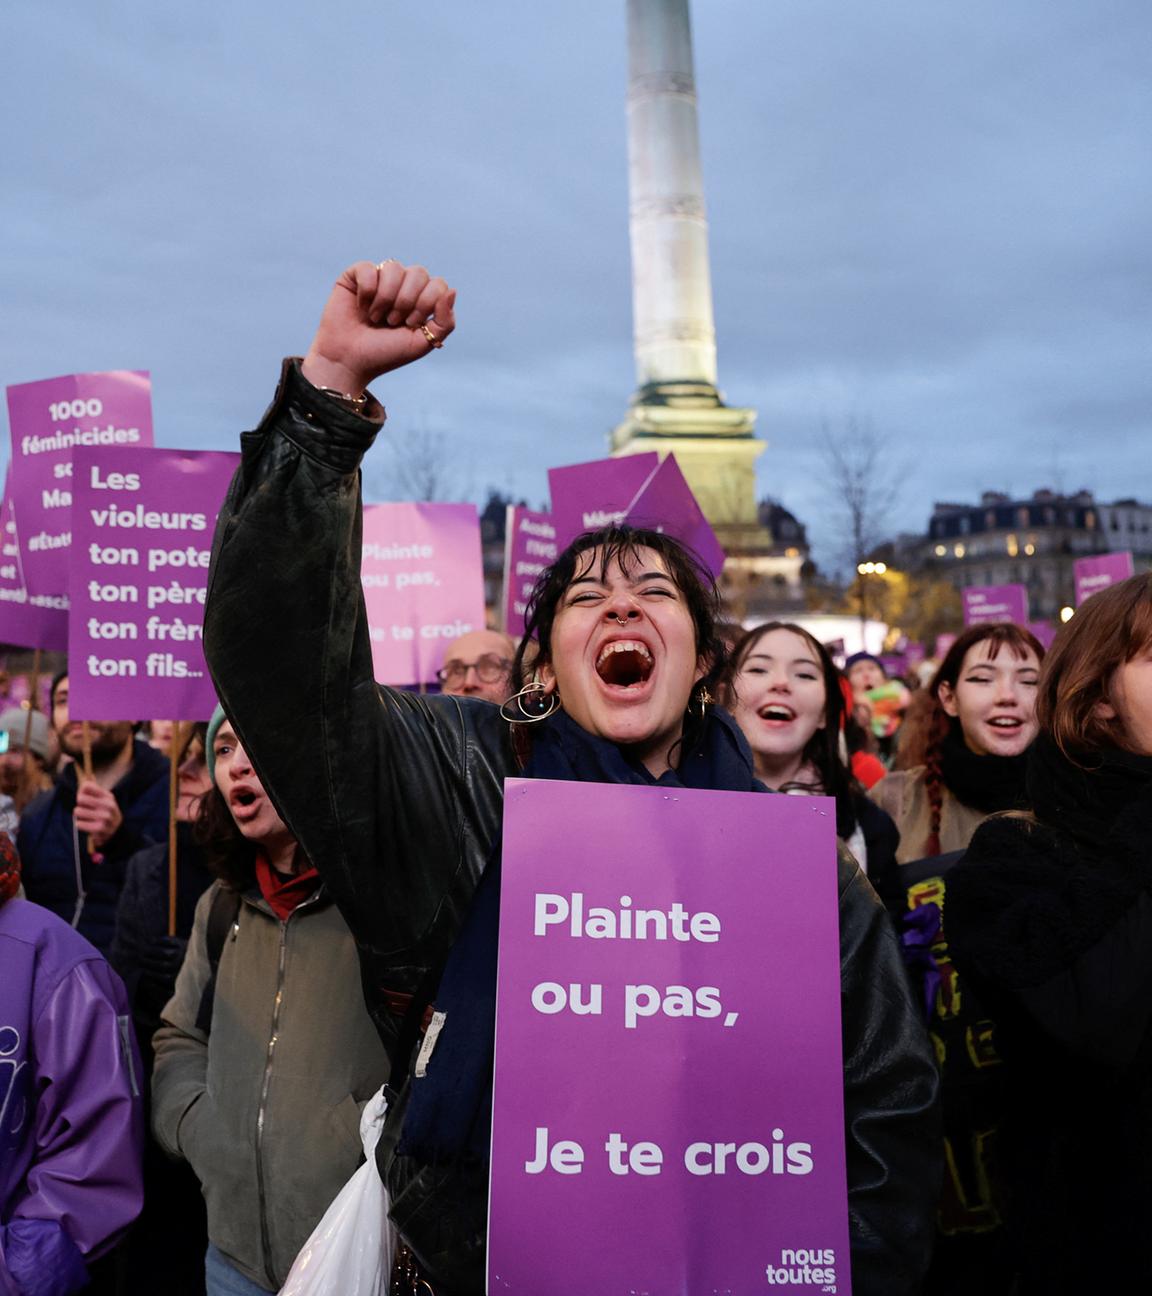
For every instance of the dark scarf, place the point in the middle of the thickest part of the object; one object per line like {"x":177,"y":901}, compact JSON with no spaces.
{"x":987,"y":783}
{"x":1109,"y":795}
{"x":1035,"y":892}
{"x":449,"y":1111}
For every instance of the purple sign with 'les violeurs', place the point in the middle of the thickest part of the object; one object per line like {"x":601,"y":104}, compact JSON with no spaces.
{"x":984,"y":603}
{"x":668,"y":1111}
{"x":1097,"y":573}
{"x":27,"y":620}
{"x":529,"y":547}
{"x":423,"y":581}
{"x":588,"y":496}
{"x":142,"y":536}
{"x":49,"y":419}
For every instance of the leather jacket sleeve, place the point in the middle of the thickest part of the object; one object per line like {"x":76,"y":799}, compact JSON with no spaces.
{"x":361,"y":774}
{"x":892,"y":1130}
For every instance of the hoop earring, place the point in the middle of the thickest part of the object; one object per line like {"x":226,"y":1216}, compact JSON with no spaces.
{"x":526,"y":716}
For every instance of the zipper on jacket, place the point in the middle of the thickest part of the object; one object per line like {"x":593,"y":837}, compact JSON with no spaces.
{"x":265,"y":1233}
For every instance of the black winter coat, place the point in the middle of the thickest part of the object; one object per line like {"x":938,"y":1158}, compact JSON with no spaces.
{"x":399,"y":800}
{"x":1050,"y":921}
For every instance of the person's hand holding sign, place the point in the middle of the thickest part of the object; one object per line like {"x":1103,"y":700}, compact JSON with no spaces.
{"x":378,"y":317}
{"x":97,"y":813}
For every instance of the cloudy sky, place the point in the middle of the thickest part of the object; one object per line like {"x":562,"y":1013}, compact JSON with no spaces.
{"x":934,"y":217}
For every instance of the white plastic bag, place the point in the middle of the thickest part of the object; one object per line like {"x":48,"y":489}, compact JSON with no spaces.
{"x":350,"y":1250}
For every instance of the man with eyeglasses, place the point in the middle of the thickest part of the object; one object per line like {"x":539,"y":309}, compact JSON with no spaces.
{"x":478,"y":664}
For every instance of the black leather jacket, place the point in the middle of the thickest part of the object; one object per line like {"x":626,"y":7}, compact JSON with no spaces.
{"x":397,"y":798}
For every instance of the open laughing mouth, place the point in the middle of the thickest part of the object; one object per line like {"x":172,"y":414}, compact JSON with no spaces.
{"x":625,"y":664}
{"x":1006,"y":724}
{"x":777,"y":713}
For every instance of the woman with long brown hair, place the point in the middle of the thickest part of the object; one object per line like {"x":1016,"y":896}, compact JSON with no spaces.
{"x":962,"y":749}
{"x":1050,"y":920}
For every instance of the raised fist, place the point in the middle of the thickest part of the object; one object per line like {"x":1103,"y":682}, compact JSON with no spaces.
{"x":375,"y":320}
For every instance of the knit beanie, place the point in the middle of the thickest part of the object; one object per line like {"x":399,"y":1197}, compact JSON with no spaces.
{"x":218,"y":718}
{"x":14,"y":722}
{"x":864,"y":656}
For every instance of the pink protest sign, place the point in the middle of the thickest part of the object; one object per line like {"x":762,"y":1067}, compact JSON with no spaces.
{"x":588,"y":496}
{"x":1094,"y":574}
{"x":665,"y":503}
{"x":995,"y":603}
{"x":423,"y":585}
{"x":668,"y":1107}
{"x":943,"y":643}
{"x":27,"y":620}
{"x":48,"y":420}
{"x":529,"y":546}
{"x":143,"y":523}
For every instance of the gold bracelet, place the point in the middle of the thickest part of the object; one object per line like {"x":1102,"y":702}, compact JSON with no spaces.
{"x":355,"y":403}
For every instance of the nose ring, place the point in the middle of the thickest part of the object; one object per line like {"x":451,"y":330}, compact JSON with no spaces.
{"x":621,"y":620}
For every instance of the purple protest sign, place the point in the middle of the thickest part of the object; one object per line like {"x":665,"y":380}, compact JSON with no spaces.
{"x":915,"y":653}
{"x":943,"y":643}
{"x":143,"y":523}
{"x":423,"y":583}
{"x":48,"y":420}
{"x":984,"y":603}
{"x":588,"y":496}
{"x":529,"y":546}
{"x":26,"y":620}
{"x":1094,"y":574}
{"x":668,"y":1095}
{"x":665,"y":503}
{"x":1045,"y":631}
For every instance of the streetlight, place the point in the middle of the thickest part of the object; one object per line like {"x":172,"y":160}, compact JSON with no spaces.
{"x":1066,"y":614}
{"x":867,"y":569}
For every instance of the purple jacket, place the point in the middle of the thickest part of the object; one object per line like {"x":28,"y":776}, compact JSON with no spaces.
{"x":71,"y":1119}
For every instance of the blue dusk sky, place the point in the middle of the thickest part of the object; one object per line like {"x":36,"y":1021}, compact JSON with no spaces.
{"x":931,"y":217}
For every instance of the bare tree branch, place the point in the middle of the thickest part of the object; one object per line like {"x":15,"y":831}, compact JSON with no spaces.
{"x":862,"y":485}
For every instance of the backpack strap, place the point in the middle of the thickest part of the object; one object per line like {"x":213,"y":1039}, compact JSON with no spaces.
{"x":221,"y":916}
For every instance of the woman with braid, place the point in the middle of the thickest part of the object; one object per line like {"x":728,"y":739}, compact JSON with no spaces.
{"x":963,"y":757}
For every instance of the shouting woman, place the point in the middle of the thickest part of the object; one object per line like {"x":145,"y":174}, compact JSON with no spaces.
{"x":397,"y":798}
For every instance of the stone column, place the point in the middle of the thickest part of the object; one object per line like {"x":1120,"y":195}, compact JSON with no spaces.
{"x":675,"y":341}
{"x":677,"y":408}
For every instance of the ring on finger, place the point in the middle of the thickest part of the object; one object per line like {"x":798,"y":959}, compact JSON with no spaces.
{"x":433,"y":340}
{"x":386,"y":262}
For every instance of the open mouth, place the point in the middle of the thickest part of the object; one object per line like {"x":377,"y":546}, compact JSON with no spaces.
{"x":1007,"y":723}
{"x":777,"y":712}
{"x":243,"y":798}
{"x":625,"y":663}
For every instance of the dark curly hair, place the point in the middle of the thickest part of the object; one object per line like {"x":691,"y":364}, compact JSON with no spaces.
{"x":228,"y":853}
{"x":622,"y":544}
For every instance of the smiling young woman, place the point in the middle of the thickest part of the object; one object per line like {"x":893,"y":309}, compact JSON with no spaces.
{"x":961,"y":757}
{"x":397,"y":797}
{"x":784,"y":691}
{"x":1050,"y":921}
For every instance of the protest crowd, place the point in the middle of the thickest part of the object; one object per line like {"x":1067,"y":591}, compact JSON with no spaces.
{"x":233,"y":949}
